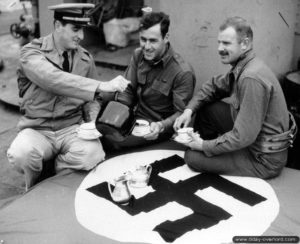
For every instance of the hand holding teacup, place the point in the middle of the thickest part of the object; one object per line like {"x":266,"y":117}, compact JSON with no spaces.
{"x":141,"y":128}
{"x":184,"y":134}
{"x":188,"y":137}
{"x":196,"y":142}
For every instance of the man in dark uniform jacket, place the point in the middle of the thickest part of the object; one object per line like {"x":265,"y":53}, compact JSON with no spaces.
{"x":161,"y":83}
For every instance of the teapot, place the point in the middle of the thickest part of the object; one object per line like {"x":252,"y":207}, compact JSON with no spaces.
{"x":140,"y":176}
{"x":120,"y":193}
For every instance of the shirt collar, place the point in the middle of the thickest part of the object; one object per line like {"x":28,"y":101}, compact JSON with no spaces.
{"x":48,"y":43}
{"x":241,"y":63}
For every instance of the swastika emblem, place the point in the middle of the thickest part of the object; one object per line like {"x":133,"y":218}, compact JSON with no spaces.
{"x":204,"y":213}
{"x":179,"y":206}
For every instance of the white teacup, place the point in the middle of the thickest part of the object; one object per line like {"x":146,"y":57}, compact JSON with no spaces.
{"x":183,"y":134}
{"x":141,"y":128}
{"x":88,"y":126}
{"x":88,"y":131}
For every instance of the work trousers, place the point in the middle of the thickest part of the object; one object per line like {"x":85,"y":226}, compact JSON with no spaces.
{"x":213,"y":120}
{"x":33,"y":147}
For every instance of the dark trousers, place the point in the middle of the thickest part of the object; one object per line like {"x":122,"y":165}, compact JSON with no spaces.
{"x":130,"y":142}
{"x":213,"y":120}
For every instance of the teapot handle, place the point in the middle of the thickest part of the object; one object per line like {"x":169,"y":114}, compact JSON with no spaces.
{"x":149,"y":169}
{"x":127,"y":185}
{"x":109,"y":188}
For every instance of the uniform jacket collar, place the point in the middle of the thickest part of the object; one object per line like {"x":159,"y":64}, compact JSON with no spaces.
{"x":168,"y":55}
{"x":241,"y":63}
{"x":53,"y":54}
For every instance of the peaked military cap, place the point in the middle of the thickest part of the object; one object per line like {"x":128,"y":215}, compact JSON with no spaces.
{"x":76,"y":13}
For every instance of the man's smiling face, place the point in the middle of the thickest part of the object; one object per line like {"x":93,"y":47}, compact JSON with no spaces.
{"x":152,"y":43}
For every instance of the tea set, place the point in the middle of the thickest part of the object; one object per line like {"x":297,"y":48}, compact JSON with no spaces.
{"x":137,"y":178}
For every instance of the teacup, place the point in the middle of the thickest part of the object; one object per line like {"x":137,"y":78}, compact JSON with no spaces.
{"x":88,"y":131}
{"x":140,"y":176}
{"x":183,"y":133}
{"x":141,"y":128}
{"x":88,"y":126}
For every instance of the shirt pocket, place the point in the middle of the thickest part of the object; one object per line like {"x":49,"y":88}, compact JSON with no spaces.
{"x":162,"y":86}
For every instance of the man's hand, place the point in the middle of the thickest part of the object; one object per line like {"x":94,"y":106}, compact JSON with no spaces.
{"x":155,"y":129}
{"x":196,"y":143}
{"x":117,"y":84}
{"x":183,"y":120}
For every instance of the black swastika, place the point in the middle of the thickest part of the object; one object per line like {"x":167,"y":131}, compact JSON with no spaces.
{"x":204,"y":214}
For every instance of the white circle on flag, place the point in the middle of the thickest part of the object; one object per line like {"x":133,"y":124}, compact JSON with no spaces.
{"x":105,"y":218}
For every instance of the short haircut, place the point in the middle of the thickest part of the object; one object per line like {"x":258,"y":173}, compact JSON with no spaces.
{"x":241,"y":27}
{"x":63,"y":22}
{"x":155,"y":18}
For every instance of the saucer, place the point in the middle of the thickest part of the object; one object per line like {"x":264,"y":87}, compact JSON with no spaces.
{"x":140,"y":130}
{"x":177,"y":139}
{"x":91,"y":136}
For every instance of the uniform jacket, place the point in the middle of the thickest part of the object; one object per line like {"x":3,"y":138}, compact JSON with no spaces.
{"x":54,"y":99}
{"x":258,"y":108}
{"x":159,"y":91}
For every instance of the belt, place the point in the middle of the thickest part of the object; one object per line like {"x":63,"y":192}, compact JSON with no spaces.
{"x":279,"y":142}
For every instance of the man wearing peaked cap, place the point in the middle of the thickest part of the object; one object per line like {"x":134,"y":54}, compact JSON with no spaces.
{"x":59,"y":85}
